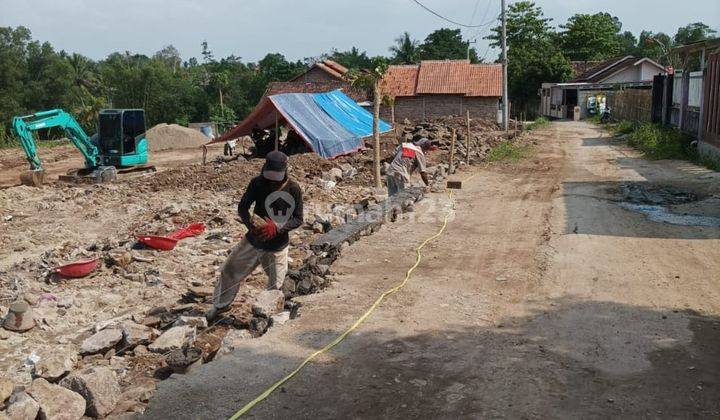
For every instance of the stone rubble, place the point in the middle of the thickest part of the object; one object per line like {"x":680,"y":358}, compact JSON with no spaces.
{"x":56,"y":402}
{"x":172,"y":339}
{"x":21,"y":406}
{"x":101,"y":341}
{"x":98,"y":386}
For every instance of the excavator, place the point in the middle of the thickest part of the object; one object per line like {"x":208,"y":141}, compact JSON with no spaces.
{"x":120,"y":144}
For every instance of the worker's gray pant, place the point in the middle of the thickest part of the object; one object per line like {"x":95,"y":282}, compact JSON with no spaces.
{"x":395,"y":184}
{"x":241,"y":262}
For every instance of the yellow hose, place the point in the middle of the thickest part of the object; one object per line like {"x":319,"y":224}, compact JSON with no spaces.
{"x":352,"y":328}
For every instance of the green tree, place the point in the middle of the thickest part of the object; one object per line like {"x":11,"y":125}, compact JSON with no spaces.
{"x":592,"y":37}
{"x":693,"y":32}
{"x":655,"y":46}
{"x":533,"y":57}
{"x":352,"y":59}
{"x":446,"y":44}
{"x":406,"y":50}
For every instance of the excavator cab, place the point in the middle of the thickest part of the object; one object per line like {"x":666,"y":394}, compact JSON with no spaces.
{"x":121,"y":138}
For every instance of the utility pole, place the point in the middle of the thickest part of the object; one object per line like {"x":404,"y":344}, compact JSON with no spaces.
{"x":504,"y":66}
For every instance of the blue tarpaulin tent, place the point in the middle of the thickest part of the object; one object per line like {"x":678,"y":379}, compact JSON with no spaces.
{"x":331,"y":123}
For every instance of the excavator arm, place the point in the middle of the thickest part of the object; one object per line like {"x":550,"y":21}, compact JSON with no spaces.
{"x":26,"y":125}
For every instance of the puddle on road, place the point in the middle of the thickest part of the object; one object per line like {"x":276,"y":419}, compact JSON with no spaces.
{"x":655,"y":203}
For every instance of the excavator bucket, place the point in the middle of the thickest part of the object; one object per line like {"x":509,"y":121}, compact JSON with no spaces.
{"x":32,"y":178}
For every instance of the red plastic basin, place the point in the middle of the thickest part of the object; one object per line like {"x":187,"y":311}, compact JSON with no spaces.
{"x":77,"y":269}
{"x":158,"y":242}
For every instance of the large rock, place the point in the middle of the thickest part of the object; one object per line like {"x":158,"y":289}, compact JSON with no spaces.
{"x":98,"y":386}
{"x":269,"y":303}
{"x":172,"y":339}
{"x":22,"y":407}
{"x":6,"y":389}
{"x":55,"y":363}
{"x":101,"y":341}
{"x":135,"y":334}
{"x":56,"y":402}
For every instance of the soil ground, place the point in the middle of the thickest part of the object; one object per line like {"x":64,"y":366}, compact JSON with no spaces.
{"x":544,"y":298}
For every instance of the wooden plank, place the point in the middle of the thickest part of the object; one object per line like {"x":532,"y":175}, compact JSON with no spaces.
{"x":454,"y":185}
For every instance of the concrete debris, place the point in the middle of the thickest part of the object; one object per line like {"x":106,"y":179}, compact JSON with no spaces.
{"x":185,"y":359}
{"x":268,"y":303}
{"x":98,"y":386}
{"x":135,"y":334}
{"x":55,"y":362}
{"x":101,"y":341}
{"x":281,"y":318}
{"x":172,"y":339}
{"x":56,"y":402}
{"x":21,"y":406}
{"x":325,"y":184}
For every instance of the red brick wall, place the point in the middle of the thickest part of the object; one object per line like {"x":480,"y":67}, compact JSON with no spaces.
{"x":432,"y":106}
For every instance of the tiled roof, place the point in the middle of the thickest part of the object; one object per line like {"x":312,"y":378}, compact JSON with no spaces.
{"x":400,"y":80}
{"x":336,"y":66}
{"x":458,"y":77}
{"x":330,"y":67}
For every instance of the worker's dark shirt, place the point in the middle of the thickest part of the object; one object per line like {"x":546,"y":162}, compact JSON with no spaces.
{"x":256,"y":193}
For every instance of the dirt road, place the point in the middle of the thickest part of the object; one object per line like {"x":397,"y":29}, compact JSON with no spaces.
{"x":550,"y":295}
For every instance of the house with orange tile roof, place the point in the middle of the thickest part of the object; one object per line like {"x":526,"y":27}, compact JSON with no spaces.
{"x":441,"y":88}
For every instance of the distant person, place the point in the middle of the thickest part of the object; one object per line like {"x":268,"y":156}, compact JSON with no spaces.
{"x":278,"y":209}
{"x":409,"y":157}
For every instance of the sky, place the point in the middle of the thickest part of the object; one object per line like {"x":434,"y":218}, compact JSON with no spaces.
{"x":298,"y":29}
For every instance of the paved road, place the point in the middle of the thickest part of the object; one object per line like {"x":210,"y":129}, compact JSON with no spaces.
{"x":545,"y":298}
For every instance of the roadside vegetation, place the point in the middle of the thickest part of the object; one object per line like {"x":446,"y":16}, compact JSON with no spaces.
{"x":540,"y":122}
{"x":658,"y":142}
{"x":508,"y":151}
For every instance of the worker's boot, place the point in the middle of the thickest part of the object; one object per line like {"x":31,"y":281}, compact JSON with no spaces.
{"x":214,"y":312}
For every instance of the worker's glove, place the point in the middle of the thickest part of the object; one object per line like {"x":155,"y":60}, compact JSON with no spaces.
{"x":269,"y":231}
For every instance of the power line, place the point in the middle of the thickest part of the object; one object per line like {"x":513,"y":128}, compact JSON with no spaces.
{"x":450,"y":20}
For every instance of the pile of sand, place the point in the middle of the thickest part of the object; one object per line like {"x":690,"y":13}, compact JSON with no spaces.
{"x":173,"y":136}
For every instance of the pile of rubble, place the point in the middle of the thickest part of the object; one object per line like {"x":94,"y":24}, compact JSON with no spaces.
{"x":483,"y":137}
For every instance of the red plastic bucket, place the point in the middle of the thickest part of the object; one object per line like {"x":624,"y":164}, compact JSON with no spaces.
{"x":158,"y":242}
{"x":77,"y":269}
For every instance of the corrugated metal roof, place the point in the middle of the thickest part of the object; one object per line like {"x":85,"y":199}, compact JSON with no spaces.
{"x":458,"y":77}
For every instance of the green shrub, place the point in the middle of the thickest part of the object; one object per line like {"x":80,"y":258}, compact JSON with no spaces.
{"x":661,"y":143}
{"x":508,"y":151}
{"x":624,"y":127}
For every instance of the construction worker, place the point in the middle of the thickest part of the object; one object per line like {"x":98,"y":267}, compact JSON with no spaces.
{"x":278,"y":209}
{"x":409,"y":157}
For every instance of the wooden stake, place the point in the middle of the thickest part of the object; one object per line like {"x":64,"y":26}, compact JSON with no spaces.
{"x":452,"y":152}
{"x":467,"y":142}
{"x":277,"y":131}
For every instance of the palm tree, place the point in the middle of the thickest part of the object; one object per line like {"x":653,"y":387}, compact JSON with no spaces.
{"x":406,"y":50}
